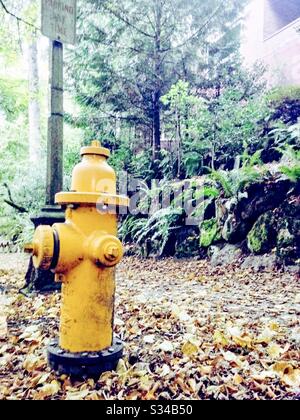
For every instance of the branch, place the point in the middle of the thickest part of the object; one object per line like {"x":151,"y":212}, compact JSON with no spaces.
{"x":125,"y":20}
{"x":15,"y":206}
{"x":17,"y":17}
{"x":11,"y":202}
{"x":202,"y":27}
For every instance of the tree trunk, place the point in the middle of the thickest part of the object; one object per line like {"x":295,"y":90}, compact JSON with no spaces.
{"x":156,"y":126}
{"x":178,"y":142}
{"x":34,"y":105}
{"x":213,"y":157}
{"x":157,"y":82}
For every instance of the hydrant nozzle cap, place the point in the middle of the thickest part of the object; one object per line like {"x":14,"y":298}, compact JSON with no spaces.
{"x":43,"y":247}
{"x":95,"y":149}
{"x":29,"y":248}
{"x":106,"y":250}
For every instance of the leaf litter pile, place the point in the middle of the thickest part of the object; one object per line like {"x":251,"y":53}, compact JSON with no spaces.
{"x":191,"y":332}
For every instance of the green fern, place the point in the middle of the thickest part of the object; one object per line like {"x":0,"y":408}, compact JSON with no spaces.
{"x":252,"y":160}
{"x":158,"y":227}
{"x":292,"y":173}
{"x":235,"y":181}
{"x":223,"y":178}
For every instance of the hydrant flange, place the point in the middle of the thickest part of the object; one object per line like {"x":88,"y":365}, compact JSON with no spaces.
{"x":86,"y":364}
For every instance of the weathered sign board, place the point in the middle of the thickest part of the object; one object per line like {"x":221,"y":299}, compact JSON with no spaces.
{"x":59,"y":20}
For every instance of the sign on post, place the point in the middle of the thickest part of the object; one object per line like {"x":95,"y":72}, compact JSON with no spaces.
{"x":59,"y":20}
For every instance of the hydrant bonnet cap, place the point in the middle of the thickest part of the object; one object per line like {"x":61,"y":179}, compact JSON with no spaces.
{"x":95,"y":149}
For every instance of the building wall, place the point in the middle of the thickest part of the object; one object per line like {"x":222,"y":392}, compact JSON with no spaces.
{"x":279,"y":14}
{"x":279,"y":51}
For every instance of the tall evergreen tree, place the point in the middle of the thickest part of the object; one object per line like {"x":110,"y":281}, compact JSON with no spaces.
{"x":130,"y":52}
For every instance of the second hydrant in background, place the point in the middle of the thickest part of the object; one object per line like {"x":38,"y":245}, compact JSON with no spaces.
{"x":83,"y":252}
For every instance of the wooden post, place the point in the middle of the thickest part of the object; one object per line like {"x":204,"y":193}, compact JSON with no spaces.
{"x":55,"y":125}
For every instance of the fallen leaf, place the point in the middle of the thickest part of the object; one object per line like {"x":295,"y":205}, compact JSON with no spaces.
{"x":49,"y":390}
{"x":31,"y":333}
{"x":77,"y":395}
{"x":262,"y":376}
{"x":297,"y":298}
{"x":266,"y":336}
{"x":121,"y":368}
{"x":119,"y":322}
{"x":166,"y":346}
{"x":220,"y":339}
{"x":237,"y":379}
{"x":3,"y":327}
{"x":274,"y":326}
{"x":234,"y":331}
{"x":149,"y":339}
{"x":32,"y":363}
{"x":283,"y":368}
{"x":274,"y":351}
{"x":292,"y":379}
{"x":189,"y":348}
{"x":180,"y":313}
{"x":229,"y":356}
{"x":164,"y":371}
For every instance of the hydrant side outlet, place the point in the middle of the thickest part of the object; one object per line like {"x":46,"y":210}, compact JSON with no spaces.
{"x":83,"y":253}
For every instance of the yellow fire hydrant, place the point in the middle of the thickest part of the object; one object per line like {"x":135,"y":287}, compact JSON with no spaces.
{"x":83,"y":253}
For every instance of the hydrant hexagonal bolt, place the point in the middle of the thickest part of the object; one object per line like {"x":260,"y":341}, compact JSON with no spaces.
{"x":83,"y":252}
{"x":112,"y":253}
{"x":106,"y":250}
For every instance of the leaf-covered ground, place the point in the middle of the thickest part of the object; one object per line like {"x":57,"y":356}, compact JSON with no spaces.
{"x":191,"y":332}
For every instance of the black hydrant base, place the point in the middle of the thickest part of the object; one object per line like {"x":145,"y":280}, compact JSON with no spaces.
{"x":84,"y":365}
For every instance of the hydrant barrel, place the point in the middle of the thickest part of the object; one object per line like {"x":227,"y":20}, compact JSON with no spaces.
{"x":83,"y":252}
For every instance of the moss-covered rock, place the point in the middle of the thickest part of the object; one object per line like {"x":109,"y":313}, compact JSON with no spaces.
{"x":262,"y":237}
{"x":285,"y":104}
{"x":288,"y":239}
{"x":279,"y":228}
{"x":187,"y":242}
{"x":209,"y":233}
{"x":238,"y":215}
{"x":286,"y":247}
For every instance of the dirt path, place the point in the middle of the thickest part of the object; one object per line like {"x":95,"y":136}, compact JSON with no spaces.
{"x":191,"y":332}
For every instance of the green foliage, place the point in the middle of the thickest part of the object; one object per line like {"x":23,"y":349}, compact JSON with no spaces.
{"x":284,"y":104}
{"x":209,"y":233}
{"x":292,"y":171}
{"x":279,"y":94}
{"x":130,"y":226}
{"x":284,"y":135}
{"x":17,"y":229}
{"x":214,"y":130}
{"x":192,"y":162}
{"x":141,"y":166}
{"x":251,"y":160}
{"x":235,"y":181}
{"x":26,"y":190}
{"x":126,"y":80}
{"x":13,"y":98}
{"x":210,"y":192}
{"x":158,"y":227}
{"x":225,"y":181}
